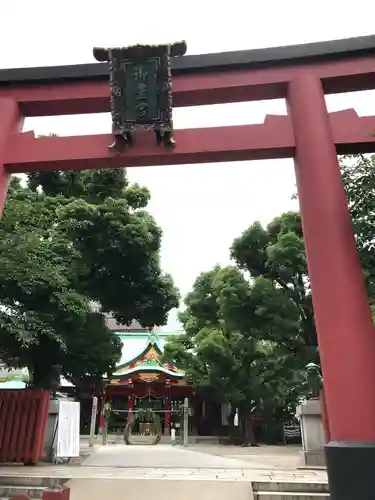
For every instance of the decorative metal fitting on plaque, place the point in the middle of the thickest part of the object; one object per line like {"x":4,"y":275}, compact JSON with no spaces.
{"x":140,"y":80}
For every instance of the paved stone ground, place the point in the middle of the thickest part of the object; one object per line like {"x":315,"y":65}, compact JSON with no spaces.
{"x":165,"y":472}
{"x":209,"y":463}
{"x":268,"y":457}
{"x":161,"y":456}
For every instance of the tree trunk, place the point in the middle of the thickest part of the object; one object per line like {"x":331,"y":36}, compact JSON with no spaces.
{"x":232,"y":433}
{"x":44,"y":376}
{"x":248,"y":436}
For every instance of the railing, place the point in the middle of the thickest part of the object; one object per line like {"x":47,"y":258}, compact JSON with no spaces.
{"x":118,"y":426}
{"x":181,"y":425}
{"x":291,"y":430}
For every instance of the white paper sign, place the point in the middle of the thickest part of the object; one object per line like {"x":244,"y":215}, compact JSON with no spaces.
{"x":236,"y":420}
{"x":68,"y":429}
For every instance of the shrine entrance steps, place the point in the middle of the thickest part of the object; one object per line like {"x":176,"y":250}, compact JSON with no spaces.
{"x":28,"y":485}
{"x":169,"y":473}
{"x":172,"y":489}
{"x":176,"y":485}
{"x":165,"y":489}
{"x":161,"y":490}
{"x":270,"y":490}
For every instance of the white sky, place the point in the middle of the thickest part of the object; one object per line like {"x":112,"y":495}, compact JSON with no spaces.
{"x":201,"y":208}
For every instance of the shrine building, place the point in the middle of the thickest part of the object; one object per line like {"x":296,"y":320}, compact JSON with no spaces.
{"x":143,"y":381}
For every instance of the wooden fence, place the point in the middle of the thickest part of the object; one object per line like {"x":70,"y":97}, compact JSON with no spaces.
{"x":23,"y":421}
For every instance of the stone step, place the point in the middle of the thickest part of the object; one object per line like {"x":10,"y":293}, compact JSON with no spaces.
{"x":290,"y":486}
{"x":8,"y":491}
{"x":31,"y":481}
{"x":160,"y":489}
{"x":294,"y":495}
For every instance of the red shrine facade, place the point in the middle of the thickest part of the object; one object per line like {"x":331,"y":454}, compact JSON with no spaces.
{"x":145,"y":381}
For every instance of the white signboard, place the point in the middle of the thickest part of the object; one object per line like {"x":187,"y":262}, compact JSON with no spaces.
{"x":68,"y":429}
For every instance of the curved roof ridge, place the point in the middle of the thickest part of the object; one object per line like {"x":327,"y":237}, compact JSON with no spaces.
{"x":138,"y":364}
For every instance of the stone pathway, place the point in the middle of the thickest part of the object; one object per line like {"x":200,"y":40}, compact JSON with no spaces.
{"x":101,"y":472}
{"x":268,"y":457}
{"x":174,"y":463}
{"x":161,"y":456}
{"x":167,"y":472}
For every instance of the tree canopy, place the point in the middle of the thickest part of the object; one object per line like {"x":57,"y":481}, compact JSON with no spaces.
{"x":235,"y":331}
{"x":277,"y":253}
{"x":250,"y":329}
{"x":67,"y":239}
{"x":358,"y":173}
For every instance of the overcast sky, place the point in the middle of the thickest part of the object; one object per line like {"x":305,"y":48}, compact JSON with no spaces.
{"x":201,"y":208}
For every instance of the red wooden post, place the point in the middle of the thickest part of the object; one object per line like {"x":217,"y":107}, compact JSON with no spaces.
{"x":130,"y":409}
{"x":167,"y":415}
{"x":343,"y":318}
{"x":10,"y":122}
{"x":101,"y":420}
{"x":29,"y":449}
{"x":323,"y":405}
{"x":344,"y":324}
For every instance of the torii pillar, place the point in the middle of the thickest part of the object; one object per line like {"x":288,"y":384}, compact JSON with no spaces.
{"x":343,"y":319}
{"x":10,"y":123}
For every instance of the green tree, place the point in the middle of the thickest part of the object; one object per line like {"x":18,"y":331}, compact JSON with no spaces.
{"x":233,"y":343}
{"x":277,"y":253}
{"x":66,"y":239}
{"x":358,"y":174}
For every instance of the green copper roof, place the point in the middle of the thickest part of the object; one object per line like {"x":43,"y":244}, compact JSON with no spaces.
{"x":136,"y":345}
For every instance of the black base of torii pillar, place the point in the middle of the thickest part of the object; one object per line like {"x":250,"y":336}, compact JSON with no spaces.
{"x":351,"y":470}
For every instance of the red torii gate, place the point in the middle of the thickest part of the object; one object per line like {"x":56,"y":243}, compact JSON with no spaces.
{"x":302,"y":74}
